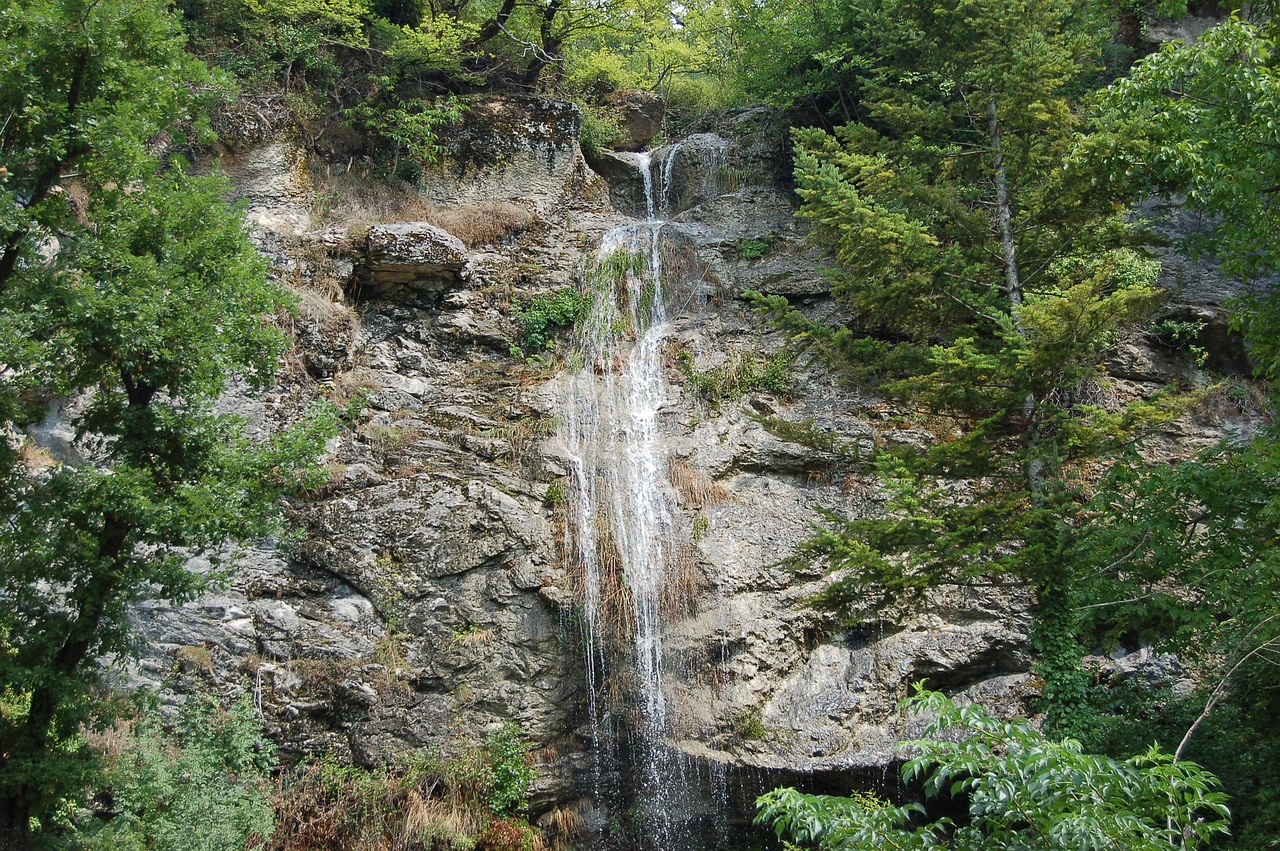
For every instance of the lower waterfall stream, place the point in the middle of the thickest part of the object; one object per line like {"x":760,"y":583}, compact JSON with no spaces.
{"x":628,"y":547}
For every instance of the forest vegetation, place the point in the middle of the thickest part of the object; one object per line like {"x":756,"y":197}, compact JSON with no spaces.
{"x":972,"y":166}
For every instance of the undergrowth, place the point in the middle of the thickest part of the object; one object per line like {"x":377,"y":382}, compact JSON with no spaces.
{"x":740,"y":373}
{"x":470,"y":802}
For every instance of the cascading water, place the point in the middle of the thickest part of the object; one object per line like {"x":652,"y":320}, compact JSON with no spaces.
{"x":621,"y":509}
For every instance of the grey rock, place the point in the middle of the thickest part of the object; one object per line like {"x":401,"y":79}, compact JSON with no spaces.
{"x":413,"y":258}
{"x":641,"y":115}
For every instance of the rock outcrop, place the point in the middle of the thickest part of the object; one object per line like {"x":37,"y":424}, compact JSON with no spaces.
{"x":640,"y":115}
{"x":413,"y":259}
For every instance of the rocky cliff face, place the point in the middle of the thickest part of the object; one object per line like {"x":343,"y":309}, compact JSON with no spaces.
{"x":428,"y":598}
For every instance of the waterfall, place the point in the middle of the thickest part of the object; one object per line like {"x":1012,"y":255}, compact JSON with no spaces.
{"x":621,"y":525}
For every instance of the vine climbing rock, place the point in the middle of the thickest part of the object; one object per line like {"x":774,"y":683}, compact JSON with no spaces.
{"x":640,"y":114}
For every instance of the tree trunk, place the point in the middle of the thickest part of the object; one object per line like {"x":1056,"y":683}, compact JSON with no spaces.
{"x":15,"y":825}
{"x":1035,"y":469}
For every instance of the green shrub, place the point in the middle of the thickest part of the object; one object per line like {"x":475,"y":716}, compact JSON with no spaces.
{"x":201,"y":786}
{"x":740,"y":374}
{"x":510,"y":772}
{"x":752,"y":249}
{"x":544,"y":316}
{"x":601,"y":129}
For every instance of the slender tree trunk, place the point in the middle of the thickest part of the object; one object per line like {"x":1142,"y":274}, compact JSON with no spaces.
{"x":1004,"y":213}
{"x":28,"y":745}
{"x":1012,"y":283}
{"x":15,"y":824}
{"x":51,"y":174}
{"x":1054,"y":633}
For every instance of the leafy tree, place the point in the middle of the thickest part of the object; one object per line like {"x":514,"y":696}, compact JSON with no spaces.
{"x":1020,"y":790}
{"x":130,"y":284}
{"x":1183,"y":555}
{"x":984,"y":283}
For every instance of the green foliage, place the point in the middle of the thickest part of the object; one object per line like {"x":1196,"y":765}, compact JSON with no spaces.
{"x":1021,"y":790}
{"x":412,"y":127}
{"x":748,"y":725}
{"x":1196,"y":120}
{"x":752,"y":249}
{"x":543,"y":317}
{"x":151,"y":297}
{"x":1239,"y":743}
{"x":452,"y":804}
{"x":1187,"y":551}
{"x":601,"y":129}
{"x":740,"y":373}
{"x":510,"y":772}
{"x":985,"y":282}
{"x":203,"y":785}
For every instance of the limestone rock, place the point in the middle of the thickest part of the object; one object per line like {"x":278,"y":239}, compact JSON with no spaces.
{"x":690,"y":172}
{"x":641,"y":115}
{"x":521,"y":149}
{"x":414,"y":258}
{"x":274,"y":181}
{"x":624,"y":173}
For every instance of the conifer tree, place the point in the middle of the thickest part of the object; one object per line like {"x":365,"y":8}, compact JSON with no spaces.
{"x":984,"y":282}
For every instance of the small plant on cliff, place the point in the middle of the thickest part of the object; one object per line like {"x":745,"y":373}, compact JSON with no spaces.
{"x":740,"y":374}
{"x":601,"y":129}
{"x":752,"y":249}
{"x":458,"y":803}
{"x":543,"y":317}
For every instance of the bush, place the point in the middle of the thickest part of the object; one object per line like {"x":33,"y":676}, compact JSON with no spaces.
{"x":740,"y":374}
{"x":199,"y":786}
{"x":601,"y":129}
{"x":1021,"y":789}
{"x":544,"y":316}
{"x":510,"y":774}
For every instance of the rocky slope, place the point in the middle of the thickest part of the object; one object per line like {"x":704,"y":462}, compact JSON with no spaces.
{"x":426,"y":598}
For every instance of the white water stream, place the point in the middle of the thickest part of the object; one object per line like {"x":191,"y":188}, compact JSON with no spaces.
{"x":621,"y":532}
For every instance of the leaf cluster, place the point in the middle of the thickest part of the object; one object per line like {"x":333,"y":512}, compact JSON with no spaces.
{"x":1019,"y":790}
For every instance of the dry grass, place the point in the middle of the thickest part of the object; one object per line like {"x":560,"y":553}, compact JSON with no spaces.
{"x":617,"y":599}
{"x":475,"y":636}
{"x":365,"y":200}
{"x":385,"y":440}
{"x":680,"y":584}
{"x":35,"y":457}
{"x":566,"y":821}
{"x":1229,"y":401}
{"x":483,"y":224}
{"x":349,"y":385}
{"x":114,"y":740}
{"x":325,"y":806}
{"x":696,"y":489}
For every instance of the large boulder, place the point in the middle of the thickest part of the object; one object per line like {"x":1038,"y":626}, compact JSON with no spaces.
{"x":411,"y":261}
{"x":640,"y":115}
